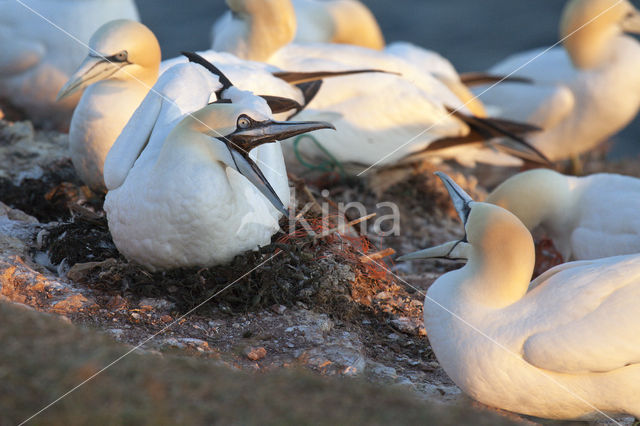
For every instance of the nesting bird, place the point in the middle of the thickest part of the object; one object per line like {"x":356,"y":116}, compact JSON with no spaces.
{"x":585,"y":91}
{"x":586,"y":217}
{"x":212,"y":189}
{"x":37,"y":59}
{"x":568,"y":348}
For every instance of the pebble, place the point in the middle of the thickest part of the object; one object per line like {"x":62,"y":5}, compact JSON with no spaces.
{"x":255,"y":354}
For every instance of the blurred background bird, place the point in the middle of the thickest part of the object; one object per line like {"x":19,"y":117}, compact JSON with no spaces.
{"x":41,"y":44}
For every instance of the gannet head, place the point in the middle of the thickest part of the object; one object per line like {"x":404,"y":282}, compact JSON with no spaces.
{"x":498,"y":247}
{"x":536,"y":197}
{"x":268,"y":25}
{"x":119,"y":50}
{"x":243,"y":123}
{"x":587,"y":26}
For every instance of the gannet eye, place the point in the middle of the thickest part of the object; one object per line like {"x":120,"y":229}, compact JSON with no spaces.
{"x":244,"y":122}
{"x":120,"y":56}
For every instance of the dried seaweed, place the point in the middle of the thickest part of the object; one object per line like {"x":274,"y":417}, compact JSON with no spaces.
{"x":47,"y":198}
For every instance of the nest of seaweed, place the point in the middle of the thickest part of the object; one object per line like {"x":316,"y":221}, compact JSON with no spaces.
{"x":322,"y":268}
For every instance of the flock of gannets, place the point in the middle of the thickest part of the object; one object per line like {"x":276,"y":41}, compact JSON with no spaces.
{"x":188,"y":151}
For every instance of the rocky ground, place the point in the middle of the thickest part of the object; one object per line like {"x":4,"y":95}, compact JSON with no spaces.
{"x":324,"y":298}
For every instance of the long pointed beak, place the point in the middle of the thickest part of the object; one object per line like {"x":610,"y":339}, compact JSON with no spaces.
{"x":631,"y":24}
{"x":271,"y":131}
{"x":249,"y":169}
{"x":242,"y":142}
{"x":453,"y":250}
{"x":92,"y":69}
{"x":461,"y":200}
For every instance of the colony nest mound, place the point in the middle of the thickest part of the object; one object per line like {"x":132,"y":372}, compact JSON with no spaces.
{"x":327,"y":270}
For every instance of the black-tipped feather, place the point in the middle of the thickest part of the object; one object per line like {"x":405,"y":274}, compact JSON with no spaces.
{"x":491,"y":128}
{"x":305,"y":77}
{"x":485,"y":129}
{"x":309,"y":91}
{"x":480,"y":78}
{"x":197,"y":59}
{"x":279,"y":105}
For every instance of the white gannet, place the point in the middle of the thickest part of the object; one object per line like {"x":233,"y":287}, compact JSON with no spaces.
{"x":37,"y":59}
{"x":198,"y":198}
{"x":383,"y":118}
{"x":369,"y":132}
{"x":585,"y":91}
{"x":122,"y":65}
{"x":568,"y":348}
{"x":586,"y":217}
{"x":255,"y":29}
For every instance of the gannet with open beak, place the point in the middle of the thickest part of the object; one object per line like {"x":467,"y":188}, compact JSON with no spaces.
{"x":569,"y":348}
{"x":37,"y":59}
{"x":369,"y":132}
{"x":202,"y":199}
{"x":254,"y":29}
{"x":584,"y":92}
{"x":121,"y":67}
{"x":586,"y":217}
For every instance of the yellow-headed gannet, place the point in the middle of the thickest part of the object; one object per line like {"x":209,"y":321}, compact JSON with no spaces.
{"x":586,"y":217}
{"x":121,"y":67}
{"x":568,"y":348}
{"x":585,"y":91}
{"x":37,"y":58}
{"x":255,"y":29}
{"x":198,"y":198}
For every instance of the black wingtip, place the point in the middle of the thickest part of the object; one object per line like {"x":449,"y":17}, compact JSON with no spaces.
{"x":197,"y":59}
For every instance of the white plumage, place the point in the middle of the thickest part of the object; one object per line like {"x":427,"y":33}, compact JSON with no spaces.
{"x":36,"y":59}
{"x":567,"y":348}
{"x":380,"y":118}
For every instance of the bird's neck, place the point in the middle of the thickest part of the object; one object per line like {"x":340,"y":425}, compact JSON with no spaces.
{"x":271,"y":26}
{"x":592,"y":46}
{"x":353,"y":24}
{"x":497,"y":276}
{"x":537,"y":198}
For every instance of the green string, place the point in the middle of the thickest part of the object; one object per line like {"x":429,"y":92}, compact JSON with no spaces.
{"x":328,"y":165}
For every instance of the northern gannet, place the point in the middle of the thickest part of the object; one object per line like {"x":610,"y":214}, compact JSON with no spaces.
{"x":121,"y":67}
{"x":255,"y":29}
{"x":37,"y":59}
{"x":198,"y":198}
{"x":567,"y":348}
{"x":369,"y":131}
{"x":586,"y":217}
{"x":123,"y":64}
{"x":585,"y":91}
{"x":384,"y":118}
